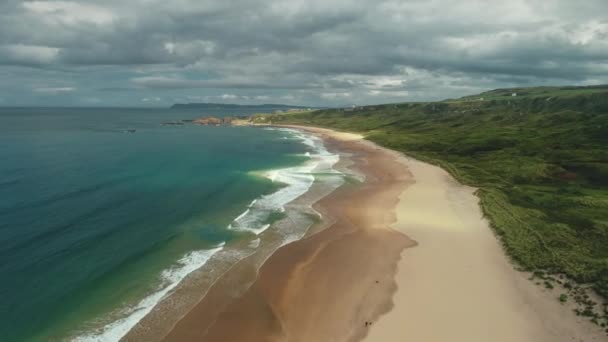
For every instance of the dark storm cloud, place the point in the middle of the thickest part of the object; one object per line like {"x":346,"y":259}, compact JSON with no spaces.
{"x":317,"y":52}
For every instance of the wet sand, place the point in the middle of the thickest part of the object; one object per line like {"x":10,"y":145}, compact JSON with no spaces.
{"x":365,"y":278}
{"x":327,"y":286}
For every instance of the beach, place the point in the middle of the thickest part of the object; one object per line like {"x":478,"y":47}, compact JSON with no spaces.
{"x":403,"y":253}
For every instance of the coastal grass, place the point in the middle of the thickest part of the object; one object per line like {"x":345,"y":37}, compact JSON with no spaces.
{"x":539,"y":160}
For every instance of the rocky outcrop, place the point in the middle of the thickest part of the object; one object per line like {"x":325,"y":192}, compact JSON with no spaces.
{"x":213,"y":121}
{"x":208,"y":121}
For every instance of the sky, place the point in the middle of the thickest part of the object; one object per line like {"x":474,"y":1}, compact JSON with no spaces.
{"x":314,"y":53}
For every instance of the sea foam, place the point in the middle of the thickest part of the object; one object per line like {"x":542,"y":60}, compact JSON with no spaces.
{"x":171,"y":278}
{"x":297,"y":180}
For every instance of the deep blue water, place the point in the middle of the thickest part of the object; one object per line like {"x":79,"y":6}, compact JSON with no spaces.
{"x":91,"y":215}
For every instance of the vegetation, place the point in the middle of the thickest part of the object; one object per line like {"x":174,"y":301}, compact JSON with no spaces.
{"x":539,"y":159}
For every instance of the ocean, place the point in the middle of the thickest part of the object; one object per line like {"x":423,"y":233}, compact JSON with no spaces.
{"x":98,"y":225}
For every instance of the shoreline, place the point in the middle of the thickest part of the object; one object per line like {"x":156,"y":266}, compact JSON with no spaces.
{"x":290,"y":290}
{"x":363,"y":278}
{"x":238,"y":262}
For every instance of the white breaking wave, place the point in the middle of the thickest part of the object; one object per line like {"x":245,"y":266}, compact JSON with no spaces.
{"x":171,"y":278}
{"x":298,"y":180}
{"x":242,"y":214}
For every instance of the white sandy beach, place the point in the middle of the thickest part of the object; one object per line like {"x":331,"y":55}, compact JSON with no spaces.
{"x":457,"y":284}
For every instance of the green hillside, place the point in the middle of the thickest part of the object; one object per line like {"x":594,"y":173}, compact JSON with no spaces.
{"x":546,"y":92}
{"x":540,"y":160}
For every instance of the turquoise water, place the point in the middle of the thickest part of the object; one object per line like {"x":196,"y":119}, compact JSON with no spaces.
{"x":90,"y":216}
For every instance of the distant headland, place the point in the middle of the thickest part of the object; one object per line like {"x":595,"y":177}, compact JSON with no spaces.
{"x":203,"y":105}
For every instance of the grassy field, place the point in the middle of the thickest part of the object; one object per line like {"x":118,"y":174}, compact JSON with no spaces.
{"x":540,"y":160}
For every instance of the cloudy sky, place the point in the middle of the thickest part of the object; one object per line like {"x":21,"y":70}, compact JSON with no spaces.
{"x":314,"y":52}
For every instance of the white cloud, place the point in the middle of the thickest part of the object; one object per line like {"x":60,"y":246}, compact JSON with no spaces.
{"x":590,"y":32}
{"x":30,"y":54}
{"x":70,"y":12}
{"x":170,"y":47}
{"x":333,"y":96}
{"x":389,"y":94}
